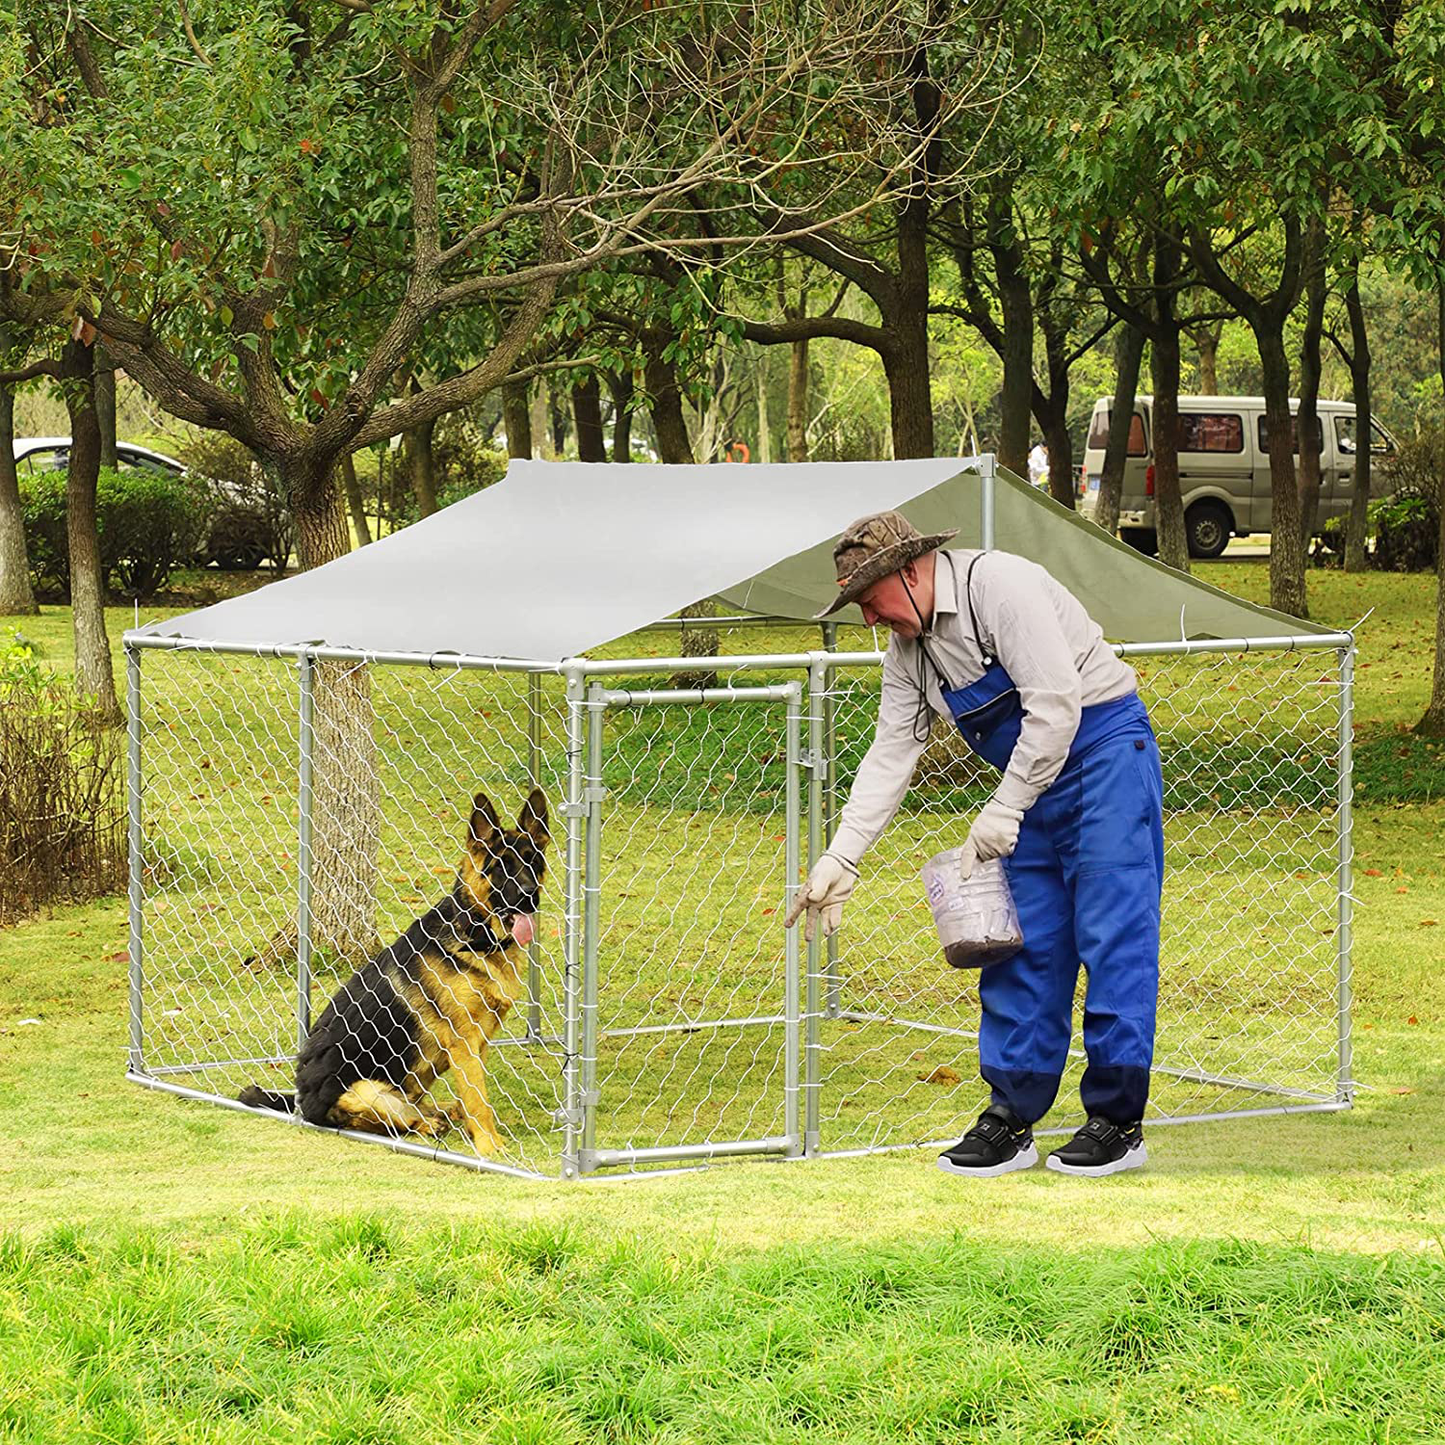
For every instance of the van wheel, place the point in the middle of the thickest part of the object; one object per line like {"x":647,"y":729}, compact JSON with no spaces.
{"x":1141,"y":539}
{"x":1208,"y":526}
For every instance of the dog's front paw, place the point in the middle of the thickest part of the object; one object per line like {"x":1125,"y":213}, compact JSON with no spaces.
{"x":487,"y":1142}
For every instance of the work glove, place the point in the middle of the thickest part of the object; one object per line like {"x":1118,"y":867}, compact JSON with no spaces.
{"x":995,"y":834}
{"x":828,"y":888}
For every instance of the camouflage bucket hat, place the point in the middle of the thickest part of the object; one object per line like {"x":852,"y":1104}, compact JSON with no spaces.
{"x":872,"y":547}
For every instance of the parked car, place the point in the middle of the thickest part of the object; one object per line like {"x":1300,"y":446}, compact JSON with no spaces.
{"x":239,"y":536}
{"x":1223,"y":468}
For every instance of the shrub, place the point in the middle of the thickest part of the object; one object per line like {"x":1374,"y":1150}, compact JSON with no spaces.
{"x":1406,"y":523}
{"x":62,"y":798}
{"x":249,"y":518}
{"x":463,"y":462}
{"x":148,"y":523}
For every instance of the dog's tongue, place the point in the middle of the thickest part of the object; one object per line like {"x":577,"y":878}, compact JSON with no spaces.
{"x":523,"y":929}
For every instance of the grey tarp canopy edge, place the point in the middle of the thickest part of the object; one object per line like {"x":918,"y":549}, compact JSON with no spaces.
{"x":560,"y":557}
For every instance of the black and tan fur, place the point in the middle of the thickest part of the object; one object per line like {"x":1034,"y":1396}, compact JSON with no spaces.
{"x":430,"y":1002}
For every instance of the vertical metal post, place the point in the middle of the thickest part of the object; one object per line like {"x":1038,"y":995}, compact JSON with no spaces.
{"x":987,"y":471}
{"x":792,"y":1001}
{"x":306,"y":671}
{"x":1345,"y":1084}
{"x":819,"y":771}
{"x":136,"y":878}
{"x":573,"y":810}
{"x":534,"y":780}
{"x":591,"y":927}
{"x":830,"y":803}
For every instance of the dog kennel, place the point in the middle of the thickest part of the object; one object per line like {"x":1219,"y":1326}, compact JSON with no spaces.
{"x":302,"y":762}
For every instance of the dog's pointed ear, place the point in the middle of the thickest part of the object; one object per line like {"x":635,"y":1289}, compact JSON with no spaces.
{"x":483,"y":827}
{"x":533,"y":820}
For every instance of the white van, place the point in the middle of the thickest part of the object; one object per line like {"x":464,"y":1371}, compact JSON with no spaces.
{"x":1223,"y":468}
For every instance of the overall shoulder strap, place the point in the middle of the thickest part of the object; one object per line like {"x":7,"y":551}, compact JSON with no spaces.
{"x":983,"y":652}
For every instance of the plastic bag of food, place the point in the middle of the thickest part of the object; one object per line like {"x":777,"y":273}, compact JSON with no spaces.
{"x":975,"y":916}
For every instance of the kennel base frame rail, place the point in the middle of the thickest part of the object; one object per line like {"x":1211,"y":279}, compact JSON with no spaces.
{"x":814,"y":987}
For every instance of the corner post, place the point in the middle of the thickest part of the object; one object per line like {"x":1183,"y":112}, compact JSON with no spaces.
{"x":135,"y":840}
{"x":819,"y":776}
{"x":306,"y":676}
{"x":1345,"y":1083}
{"x":593,"y":794}
{"x":987,"y":475}
{"x":791,"y":981}
{"x":574,"y":811}
{"x":534,"y":777}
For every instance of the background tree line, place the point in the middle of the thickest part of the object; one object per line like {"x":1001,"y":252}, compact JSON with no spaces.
{"x":654,"y":230}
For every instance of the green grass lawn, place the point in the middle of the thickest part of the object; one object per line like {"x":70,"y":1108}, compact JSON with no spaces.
{"x":175,"y":1272}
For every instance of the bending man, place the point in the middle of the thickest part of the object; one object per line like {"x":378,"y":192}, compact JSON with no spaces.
{"x":992,"y":641}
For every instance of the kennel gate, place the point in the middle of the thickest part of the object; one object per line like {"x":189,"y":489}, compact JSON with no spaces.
{"x":656,"y":1033}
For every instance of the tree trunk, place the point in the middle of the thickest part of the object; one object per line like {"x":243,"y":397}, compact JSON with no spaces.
{"x":910,"y":397}
{"x":355,"y":503}
{"x":1286,"y":552}
{"x":557,"y":417}
{"x":798,"y":402}
{"x":17,"y":597}
{"x":345,"y":806}
{"x":1016,"y":307}
{"x":93,"y":676}
{"x":674,"y":446}
{"x":517,"y":419}
{"x":539,"y":424}
{"x":587,"y":420}
{"x":765,"y":427}
{"x":1128,"y":352}
{"x":1357,"y":527}
{"x":1307,"y":424}
{"x":1433,"y":723}
{"x":665,"y":402}
{"x":1206,"y":342}
{"x":622,"y":386}
{"x":421,"y":467}
{"x":1168,"y":504}
{"x":105,"y":405}
{"x":1060,"y":447}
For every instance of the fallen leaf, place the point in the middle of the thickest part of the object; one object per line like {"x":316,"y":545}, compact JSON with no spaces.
{"x":1429,"y":922}
{"x":1402,"y":1091}
{"x":941,"y":1075}
{"x":1412,"y":1020}
{"x":116,"y":957}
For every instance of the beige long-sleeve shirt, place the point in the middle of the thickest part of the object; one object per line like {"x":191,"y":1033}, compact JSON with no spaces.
{"x":1051,"y":648}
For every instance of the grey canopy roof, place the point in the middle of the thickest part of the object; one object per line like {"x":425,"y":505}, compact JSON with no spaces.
{"x":559,"y":557}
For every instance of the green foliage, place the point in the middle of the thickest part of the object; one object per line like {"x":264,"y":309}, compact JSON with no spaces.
{"x":248,"y":516}
{"x":61,"y":793}
{"x":149,"y":522}
{"x":1406,"y":524}
{"x":347,"y":1330}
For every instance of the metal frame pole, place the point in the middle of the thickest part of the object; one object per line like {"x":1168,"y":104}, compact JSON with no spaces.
{"x":792,"y":1001}
{"x":573,"y":811}
{"x":830,"y":802}
{"x":1344,"y":1083}
{"x":135,"y":883}
{"x":593,"y":794}
{"x":306,"y":677}
{"x":987,"y":472}
{"x":534,"y":776}
{"x":819,"y":773}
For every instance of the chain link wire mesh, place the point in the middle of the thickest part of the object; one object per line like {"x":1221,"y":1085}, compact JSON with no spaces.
{"x":670,"y":1039}
{"x":401,"y":759}
{"x":1250,"y":992}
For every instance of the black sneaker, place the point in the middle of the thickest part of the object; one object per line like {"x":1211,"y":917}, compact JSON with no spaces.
{"x":1100,"y":1148}
{"x":998,"y":1144}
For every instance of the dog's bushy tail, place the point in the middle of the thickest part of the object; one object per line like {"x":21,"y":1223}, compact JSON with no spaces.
{"x":255,"y":1097}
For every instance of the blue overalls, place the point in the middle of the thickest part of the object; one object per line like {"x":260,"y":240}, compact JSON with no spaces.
{"x":1086,"y":878}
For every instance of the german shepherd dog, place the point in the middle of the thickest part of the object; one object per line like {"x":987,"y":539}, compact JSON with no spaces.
{"x":431,"y":1001}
